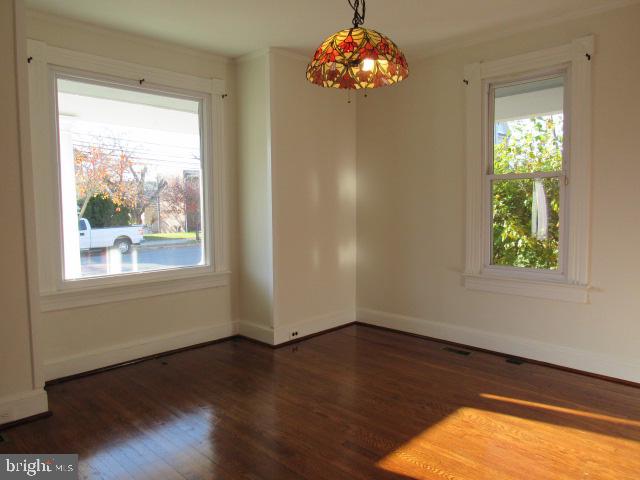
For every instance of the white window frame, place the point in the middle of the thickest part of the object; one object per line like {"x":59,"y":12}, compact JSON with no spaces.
{"x":571,"y":281}
{"x":46,"y":63}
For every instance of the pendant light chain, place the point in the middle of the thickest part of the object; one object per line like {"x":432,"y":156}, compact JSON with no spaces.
{"x":358,"y":14}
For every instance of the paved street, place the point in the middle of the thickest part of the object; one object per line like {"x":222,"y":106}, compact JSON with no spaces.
{"x":142,"y":258}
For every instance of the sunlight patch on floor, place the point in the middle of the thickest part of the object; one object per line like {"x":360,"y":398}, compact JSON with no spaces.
{"x":423,"y":456}
{"x":476,"y":443}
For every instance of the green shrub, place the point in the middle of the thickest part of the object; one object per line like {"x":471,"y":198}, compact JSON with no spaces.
{"x":102,"y":212}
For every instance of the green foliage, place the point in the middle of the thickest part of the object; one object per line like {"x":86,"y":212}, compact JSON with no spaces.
{"x":102,"y":212}
{"x":533,"y":145}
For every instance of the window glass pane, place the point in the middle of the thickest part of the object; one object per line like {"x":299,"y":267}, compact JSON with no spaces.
{"x":528,"y":127}
{"x":130,"y":164}
{"x":526,"y":222}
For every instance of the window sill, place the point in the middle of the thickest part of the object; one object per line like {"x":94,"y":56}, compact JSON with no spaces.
{"x":95,"y":295}
{"x":550,"y":290}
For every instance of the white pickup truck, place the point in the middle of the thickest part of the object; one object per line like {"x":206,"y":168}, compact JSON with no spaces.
{"x":120,"y":237}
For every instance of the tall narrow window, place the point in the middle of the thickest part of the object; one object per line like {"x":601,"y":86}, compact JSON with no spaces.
{"x":131,"y":179}
{"x":525,"y":173}
{"x":528,"y":152}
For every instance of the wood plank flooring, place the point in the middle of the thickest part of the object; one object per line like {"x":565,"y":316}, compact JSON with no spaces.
{"x":356,"y":403}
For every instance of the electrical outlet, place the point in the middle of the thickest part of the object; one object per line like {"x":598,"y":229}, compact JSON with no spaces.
{"x":294,"y":334}
{"x":4,"y":415}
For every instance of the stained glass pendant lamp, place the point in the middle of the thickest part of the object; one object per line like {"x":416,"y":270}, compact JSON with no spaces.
{"x":357,"y":57}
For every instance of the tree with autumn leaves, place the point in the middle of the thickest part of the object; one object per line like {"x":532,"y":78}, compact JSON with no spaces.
{"x":109,"y":171}
{"x":97,"y":169}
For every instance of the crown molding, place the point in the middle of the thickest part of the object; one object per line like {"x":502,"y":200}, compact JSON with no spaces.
{"x":498,"y":32}
{"x":264,"y":52}
{"x":247,"y":57}
{"x":66,"y":22}
{"x":284,"y":52}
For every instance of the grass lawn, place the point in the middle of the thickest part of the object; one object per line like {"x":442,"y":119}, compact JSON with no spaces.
{"x":170,"y":236}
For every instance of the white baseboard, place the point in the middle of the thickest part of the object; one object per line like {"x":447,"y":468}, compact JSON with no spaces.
{"x":257,"y":332}
{"x":508,"y":344}
{"x":23,"y":405}
{"x":124,"y":352}
{"x":281,"y":334}
{"x":313,"y":325}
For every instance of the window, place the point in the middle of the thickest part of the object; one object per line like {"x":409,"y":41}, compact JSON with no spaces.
{"x":131,"y":174}
{"x":128,"y":179}
{"x":525,"y":180}
{"x":528,"y":173}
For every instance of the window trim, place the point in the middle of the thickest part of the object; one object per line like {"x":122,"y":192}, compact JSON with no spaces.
{"x":56,"y":292}
{"x":571,"y":282}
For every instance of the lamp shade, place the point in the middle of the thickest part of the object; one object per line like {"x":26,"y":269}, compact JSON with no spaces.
{"x":357,"y":58}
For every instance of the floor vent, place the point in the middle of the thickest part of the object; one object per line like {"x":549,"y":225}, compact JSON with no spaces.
{"x":515,"y":361}
{"x":457,"y":351}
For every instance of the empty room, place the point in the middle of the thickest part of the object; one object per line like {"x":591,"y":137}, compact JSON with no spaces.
{"x":320,"y":240}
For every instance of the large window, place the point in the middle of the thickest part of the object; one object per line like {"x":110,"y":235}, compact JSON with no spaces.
{"x":525,"y":180}
{"x":127,"y":186}
{"x":528,"y":149}
{"x":131,"y":178}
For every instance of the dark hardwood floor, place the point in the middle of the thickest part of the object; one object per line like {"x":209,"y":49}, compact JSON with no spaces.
{"x":356,"y":403}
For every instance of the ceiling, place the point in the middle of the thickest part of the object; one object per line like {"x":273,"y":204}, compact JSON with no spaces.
{"x":236,"y":27}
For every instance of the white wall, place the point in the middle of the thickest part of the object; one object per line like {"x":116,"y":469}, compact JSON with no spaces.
{"x":21,"y":394}
{"x":297,"y":200}
{"x":13,"y":288}
{"x":81,"y":339}
{"x":254,"y":199}
{"x":313,"y":151}
{"x":411,"y":195}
